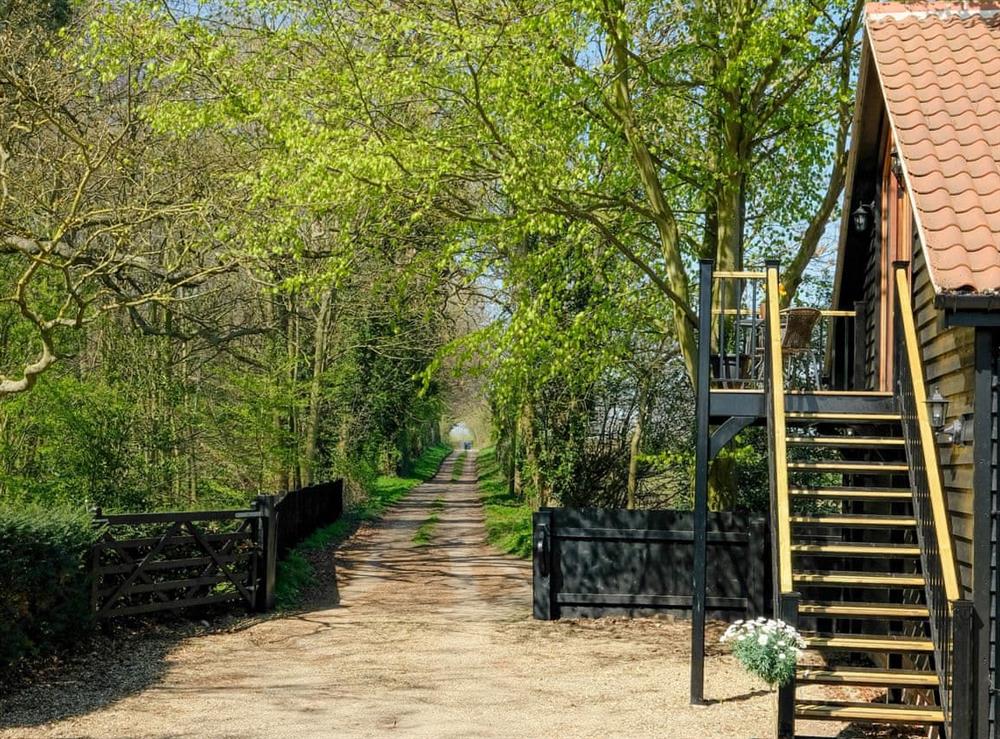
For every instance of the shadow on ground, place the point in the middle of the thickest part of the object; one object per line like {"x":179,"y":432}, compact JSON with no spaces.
{"x":111,"y":669}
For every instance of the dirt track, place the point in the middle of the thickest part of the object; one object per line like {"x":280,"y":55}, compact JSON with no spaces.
{"x":433,"y":641}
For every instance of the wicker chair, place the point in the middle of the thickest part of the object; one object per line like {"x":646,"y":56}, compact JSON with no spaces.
{"x":797,"y":326}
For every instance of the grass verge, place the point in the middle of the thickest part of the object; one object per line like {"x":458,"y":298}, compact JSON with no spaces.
{"x":296,"y":573}
{"x":508,"y":518}
{"x":456,"y":470}
{"x":426,"y":531}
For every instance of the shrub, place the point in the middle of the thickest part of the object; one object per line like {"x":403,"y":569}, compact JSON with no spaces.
{"x":766,"y":648}
{"x":44,"y":580}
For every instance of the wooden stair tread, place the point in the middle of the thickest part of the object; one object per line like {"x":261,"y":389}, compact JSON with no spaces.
{"x":858,"y":549}
{"x":837,"y":465}
{"x":860,"y":579}
{"x":861,"y":521}
{"x":895,"y":713}
{"x":852,"y":493}
{"x":835,"y":441}
{"x":847,"y":609}
{"x":844,"y":393}
{"x":866,"y":676}
{"x":862,"y":643}
{"x":859,"y":417}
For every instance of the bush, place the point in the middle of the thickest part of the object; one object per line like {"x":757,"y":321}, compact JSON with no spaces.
{"x":766,"y":648}
{"x":44,"y":580}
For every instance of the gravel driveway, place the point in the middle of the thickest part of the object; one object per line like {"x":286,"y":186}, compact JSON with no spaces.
{"x":433,"y":641}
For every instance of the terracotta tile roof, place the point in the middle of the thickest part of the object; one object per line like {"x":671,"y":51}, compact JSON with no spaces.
{"x":939,"y":69}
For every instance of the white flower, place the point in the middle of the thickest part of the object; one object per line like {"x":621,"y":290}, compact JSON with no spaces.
{"x":762,"y":641}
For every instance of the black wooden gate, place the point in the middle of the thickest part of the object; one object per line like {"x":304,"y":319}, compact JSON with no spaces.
{"x":145,"y":562}
{"x":594,"y":562}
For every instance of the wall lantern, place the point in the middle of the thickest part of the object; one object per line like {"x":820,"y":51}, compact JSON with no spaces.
{"x":958,"y":431}
{"x":938,"y":407}
{"x":896,"y":165}
{"x":861,"y":218}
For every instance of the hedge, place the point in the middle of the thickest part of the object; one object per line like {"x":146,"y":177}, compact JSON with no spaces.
{"x":45,"y":603}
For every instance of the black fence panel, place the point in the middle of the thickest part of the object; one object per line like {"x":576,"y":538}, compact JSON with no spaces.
{"x":599,"y":562}
{"x":301,"y":512}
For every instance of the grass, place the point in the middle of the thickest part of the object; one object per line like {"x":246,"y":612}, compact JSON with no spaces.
{"x":426,"y":531}
{"x":295,"y":571}
{"x":508,"y":518}
{"x":456,"y":471}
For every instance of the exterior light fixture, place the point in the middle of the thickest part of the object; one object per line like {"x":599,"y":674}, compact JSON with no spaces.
{"x":861,"y":217}
{"x":938,"y":407}
{"x":896,"y":165}
{"x":958,"y":431}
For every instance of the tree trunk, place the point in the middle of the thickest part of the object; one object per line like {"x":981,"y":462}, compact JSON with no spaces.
{"x":676,"y":283}
{"x":635,"y":447}
{"x":722,"y":490}
{"x":513,"y":477}
{"x":310,"y":456}
{"x":281,"y":478}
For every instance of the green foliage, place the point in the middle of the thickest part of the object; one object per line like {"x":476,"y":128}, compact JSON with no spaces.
{"x":46,"y":591}
{"x":766,"y":648}
{"x":508,"y":518}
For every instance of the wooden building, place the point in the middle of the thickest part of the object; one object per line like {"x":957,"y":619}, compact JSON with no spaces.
{"x":882,"y":409}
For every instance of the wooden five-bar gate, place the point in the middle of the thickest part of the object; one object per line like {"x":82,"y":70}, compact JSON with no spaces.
{"x":148,"y":562}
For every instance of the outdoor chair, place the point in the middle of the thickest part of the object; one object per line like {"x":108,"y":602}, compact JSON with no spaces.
{"x":796,"y":341}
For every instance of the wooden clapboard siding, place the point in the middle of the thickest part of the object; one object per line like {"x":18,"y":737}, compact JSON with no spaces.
{"x":949,"y":363}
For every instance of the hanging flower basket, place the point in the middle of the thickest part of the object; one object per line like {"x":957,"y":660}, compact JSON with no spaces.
{"x":766,"y":648}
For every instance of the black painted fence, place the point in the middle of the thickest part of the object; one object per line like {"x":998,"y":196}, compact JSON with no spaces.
{"x":597,"y":562}
{"x":152,"y":562}
{"x":301,"y":512}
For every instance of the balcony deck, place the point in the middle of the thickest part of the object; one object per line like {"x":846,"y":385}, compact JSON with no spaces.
{"x":726,"y":403}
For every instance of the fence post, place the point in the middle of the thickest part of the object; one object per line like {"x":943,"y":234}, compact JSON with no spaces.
{"x":543,"y":596}
{"x":267,"y":530}
{"x":95,"y":563}
{"x":757,"y":565}
{"x":962,"y":671}
{"x":788,"y":611}
{"x":702,"y":461}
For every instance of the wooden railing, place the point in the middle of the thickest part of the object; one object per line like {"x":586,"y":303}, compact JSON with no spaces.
{"x":826,"y":357}
{"x":736,"y":330}
{"x":926,"y":444}
{"x":775,"y":387}
{"x":950,"y":616}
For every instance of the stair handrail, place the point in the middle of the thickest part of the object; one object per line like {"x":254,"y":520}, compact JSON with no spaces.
{"x":776,"y":417}
{"x":928,"y":443}
{"x":950,"y":616}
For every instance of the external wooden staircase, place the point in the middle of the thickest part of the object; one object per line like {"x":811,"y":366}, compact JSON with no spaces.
{"x":863,"y":558}
{"x":863,"y":548}
{"x":855,"y":561}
